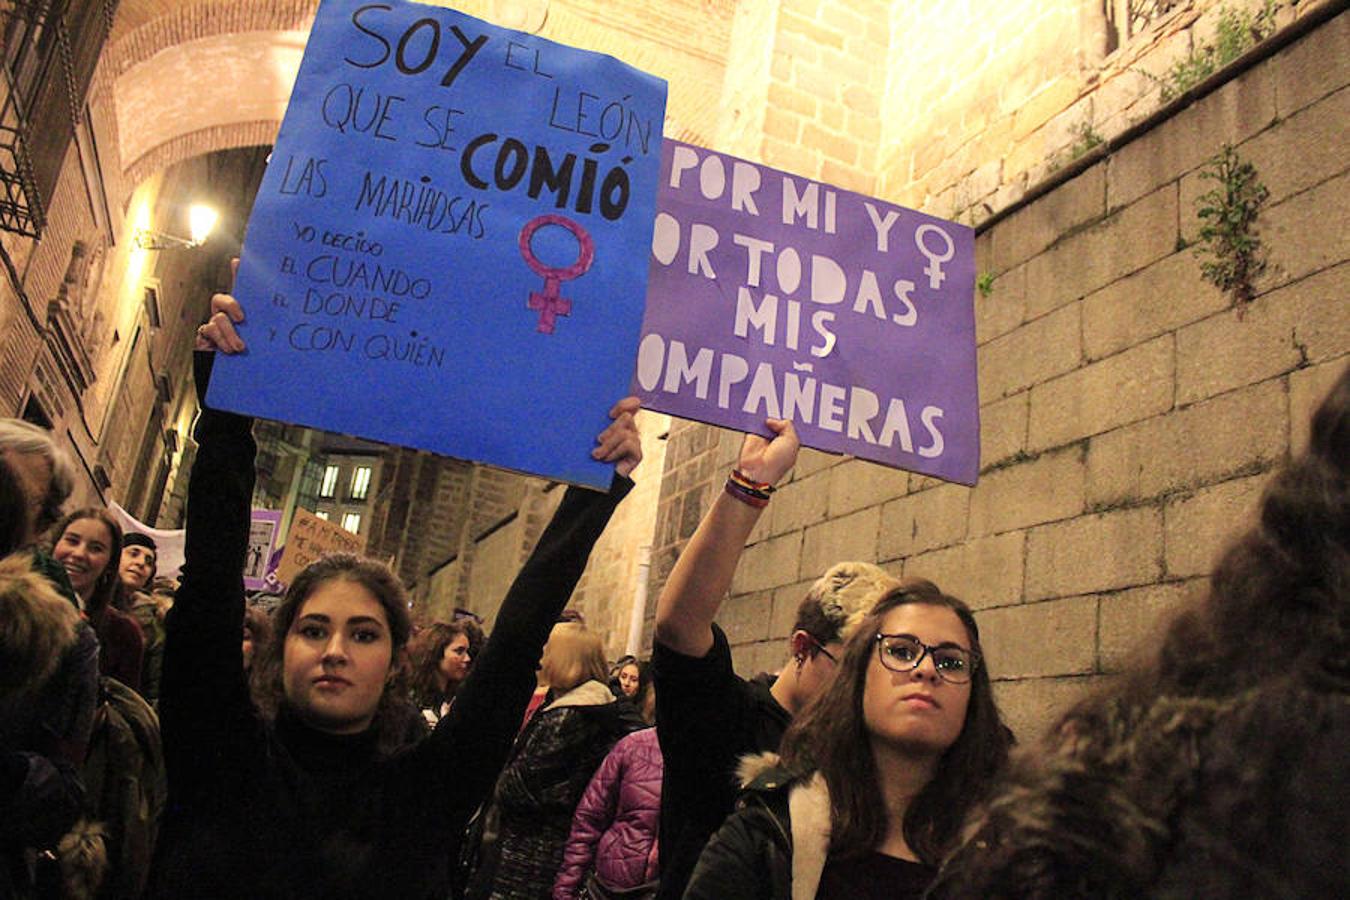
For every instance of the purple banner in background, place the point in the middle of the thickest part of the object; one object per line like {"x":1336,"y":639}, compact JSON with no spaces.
{"x":773,"y":296}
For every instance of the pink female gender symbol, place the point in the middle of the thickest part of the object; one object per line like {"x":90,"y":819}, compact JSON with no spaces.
{"x":550,"y":303}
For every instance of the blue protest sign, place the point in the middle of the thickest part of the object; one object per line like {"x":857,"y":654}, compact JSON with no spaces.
{"x":449,"y":248}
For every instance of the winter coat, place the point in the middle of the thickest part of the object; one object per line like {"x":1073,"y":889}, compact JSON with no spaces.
{"x":615,"y":826}
{"x":776,"y":846}
{"x":538,"y":791}
{"x":707,"y":719}
{"x":276,"y":809}
{"x":121,"y":645}
{"x":147,"y":617}
{"x":49,"y":659}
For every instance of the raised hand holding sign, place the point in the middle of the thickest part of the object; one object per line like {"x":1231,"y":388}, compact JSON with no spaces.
{"x":775,"y":297}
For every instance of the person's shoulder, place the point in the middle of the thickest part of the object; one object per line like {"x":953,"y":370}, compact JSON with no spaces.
{"x":763,"y":804}
{"x":765,"y":773}
{"x":125,"y":623}
{"x":640,"y":743}
{"x":669,"y":664}
{"x":770,"y":713}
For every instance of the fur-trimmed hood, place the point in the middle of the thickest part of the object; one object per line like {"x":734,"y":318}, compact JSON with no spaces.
{"x":37,"y":624}
{"x":588,"y":693}
{"x":808,"y":808}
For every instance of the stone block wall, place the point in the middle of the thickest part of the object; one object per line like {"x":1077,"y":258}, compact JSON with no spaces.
{"x":969,"y":126}
{"x":826,"y":81}
{"x":610,"y":585}
{"x":1131,"y":413}
{"x":498,"y":556}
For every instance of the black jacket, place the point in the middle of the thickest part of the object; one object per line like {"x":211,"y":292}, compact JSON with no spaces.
{"x":776,"y":846}
{"x":261,"y":809}
{"x":707,"y":718}
{"x":750,"y":856}
{"x":539,"y":789}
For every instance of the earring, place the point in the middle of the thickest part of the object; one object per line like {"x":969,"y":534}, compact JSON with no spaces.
{"x":801,"y":660}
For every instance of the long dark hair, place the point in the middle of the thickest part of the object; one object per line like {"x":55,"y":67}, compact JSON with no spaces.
{"x":1280,"y":595}
{"x":108,"y":586}
{"x":1215,"y":764}
{"x":830,"y":735}
{"x":425,"y":653}
{"x":269,"y":659}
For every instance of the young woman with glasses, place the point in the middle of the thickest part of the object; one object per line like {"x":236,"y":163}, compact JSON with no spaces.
{"x":877,"y":773}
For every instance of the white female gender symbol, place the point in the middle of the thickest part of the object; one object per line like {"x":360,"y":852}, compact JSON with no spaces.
{"x":934,"y":268}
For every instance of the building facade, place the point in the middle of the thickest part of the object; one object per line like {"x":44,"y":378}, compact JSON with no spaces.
{"x":1130,"y":411}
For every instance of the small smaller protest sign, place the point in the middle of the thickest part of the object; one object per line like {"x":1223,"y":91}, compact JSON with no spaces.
{"x":311,"y":538}
{"x":774,"y":296}
{"x":262,"y":539}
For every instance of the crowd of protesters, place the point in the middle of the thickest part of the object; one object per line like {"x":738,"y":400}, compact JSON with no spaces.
{"x":167,"y":738}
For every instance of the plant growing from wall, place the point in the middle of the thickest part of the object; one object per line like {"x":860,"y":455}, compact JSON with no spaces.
{"x":1236,"y":32}
{"x":985,"y":283}
{"x":1086,"y":137}
{"x":1229,"y":248}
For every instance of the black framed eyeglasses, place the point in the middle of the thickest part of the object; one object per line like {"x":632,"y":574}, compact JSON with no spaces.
{"x":904,"y":652}
{"x":820,"y":648}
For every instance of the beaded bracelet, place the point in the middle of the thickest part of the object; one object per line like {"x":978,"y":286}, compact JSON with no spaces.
{"x":748,"y":491}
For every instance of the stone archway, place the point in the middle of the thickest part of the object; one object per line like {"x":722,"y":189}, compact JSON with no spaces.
{"x":203,"y":77}
{"x":216,"y":75}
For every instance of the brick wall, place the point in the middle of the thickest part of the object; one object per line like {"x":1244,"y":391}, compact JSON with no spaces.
{"x":488,"y":571}
{"x":110,"y":423}
{"x":1130,"y":412}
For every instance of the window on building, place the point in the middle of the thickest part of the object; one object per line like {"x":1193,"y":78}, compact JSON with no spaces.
{"x":49,"y":52}
{"x":310,"y":478}
{"x":322,"y":514}
{"x":328,"y":488}
{"x":352,"y":522}
{"x":33,"y":412}
{"x":360,"y":482}
{"x":1127,"y":18}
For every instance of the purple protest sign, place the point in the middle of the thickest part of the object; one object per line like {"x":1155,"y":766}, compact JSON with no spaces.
{"x":773,"y":296}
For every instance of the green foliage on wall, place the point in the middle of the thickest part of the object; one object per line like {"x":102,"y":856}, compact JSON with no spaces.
{"x":1237,"y":32}
{"x":1229,"y":248}
{"x":985,"y":283}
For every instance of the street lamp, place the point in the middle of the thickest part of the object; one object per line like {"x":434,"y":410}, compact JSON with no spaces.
{"x":201,"y":219}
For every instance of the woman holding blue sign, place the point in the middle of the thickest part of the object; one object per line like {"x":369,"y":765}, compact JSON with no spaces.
{"x":304,"y":804}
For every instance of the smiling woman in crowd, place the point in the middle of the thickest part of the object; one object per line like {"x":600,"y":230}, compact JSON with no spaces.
{"x":89,"y":546}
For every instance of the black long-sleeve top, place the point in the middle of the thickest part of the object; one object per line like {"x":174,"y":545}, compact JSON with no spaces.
{"x":278,"y":809}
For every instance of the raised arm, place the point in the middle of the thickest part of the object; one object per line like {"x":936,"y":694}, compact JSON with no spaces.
{"x":702,"y":575}
{"x":471,"y":743}
{"x":208,"y":719}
